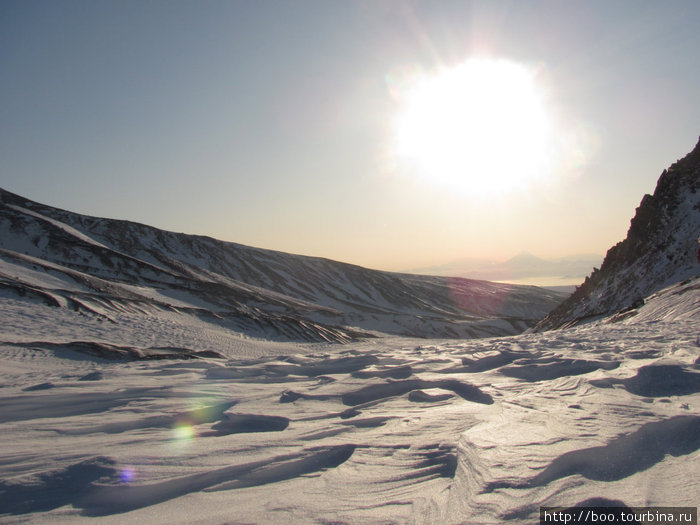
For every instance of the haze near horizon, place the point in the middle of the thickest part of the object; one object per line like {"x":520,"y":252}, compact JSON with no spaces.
{"x":394,"y":135}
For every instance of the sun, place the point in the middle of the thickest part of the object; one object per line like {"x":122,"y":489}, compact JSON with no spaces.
{"x":479,"y":127}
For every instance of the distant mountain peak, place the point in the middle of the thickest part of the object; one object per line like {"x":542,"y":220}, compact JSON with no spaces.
{"x":525,"y":257}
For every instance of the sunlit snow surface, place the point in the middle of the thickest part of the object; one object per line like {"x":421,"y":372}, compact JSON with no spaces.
{"x":391,"y":430}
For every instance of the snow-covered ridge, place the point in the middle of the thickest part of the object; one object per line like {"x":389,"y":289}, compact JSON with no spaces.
{"x":660,"y":250}
{"x":263,"y":293}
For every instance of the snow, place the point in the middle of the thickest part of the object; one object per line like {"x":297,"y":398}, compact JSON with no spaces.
{"x":31,"y":274}
{"x":659,"y":250}
{"x":154,"y":377}
{"x":103,"y":266}
{"x":385,"y":430}
{"x":58,"y":224}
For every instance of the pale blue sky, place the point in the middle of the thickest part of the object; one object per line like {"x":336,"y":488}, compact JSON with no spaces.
{"x":268,"y":123}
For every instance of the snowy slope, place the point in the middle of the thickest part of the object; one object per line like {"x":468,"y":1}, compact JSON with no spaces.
{"x":660,"y":249}
{"x":388,"y":430}
{"x":106,"y":265}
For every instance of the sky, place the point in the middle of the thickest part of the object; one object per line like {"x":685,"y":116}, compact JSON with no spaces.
{"x":274,"y":123}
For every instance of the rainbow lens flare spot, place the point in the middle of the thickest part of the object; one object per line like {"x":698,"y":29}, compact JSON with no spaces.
{"x":127,"y":475}
{"x":183,"y":432}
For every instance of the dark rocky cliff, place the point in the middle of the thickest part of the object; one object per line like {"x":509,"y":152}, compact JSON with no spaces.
{"x":660,"y":250}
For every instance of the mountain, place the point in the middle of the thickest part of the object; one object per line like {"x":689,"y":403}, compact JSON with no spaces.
{"x":659,"y":250}
{"x":525,"y":259}
{"x":523,"y":267}
{"x":102,"y":267}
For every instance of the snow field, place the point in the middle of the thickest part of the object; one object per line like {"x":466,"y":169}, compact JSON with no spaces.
{"x":390,"y":430}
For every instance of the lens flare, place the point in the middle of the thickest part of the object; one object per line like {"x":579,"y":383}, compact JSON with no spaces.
{"x":579,"y":145}
{"x":183,"y":432}
{"x":127,"y":475}
{"x":401,"y":80}
{"x":478,"y":297}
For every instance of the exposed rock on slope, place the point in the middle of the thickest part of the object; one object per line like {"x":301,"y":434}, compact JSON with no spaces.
{"x":660,"y":250}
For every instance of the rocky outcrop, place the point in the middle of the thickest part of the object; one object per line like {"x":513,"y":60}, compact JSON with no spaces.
{"x":660,"y":250}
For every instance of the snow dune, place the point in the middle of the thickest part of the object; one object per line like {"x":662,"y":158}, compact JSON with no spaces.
{"x":386,"y":430}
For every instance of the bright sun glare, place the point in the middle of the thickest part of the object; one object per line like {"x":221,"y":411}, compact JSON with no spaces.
{"x":480,"y":127}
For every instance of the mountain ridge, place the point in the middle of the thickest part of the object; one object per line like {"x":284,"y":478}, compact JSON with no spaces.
{"x":658,"y":251}
{"x":262,"y":292}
